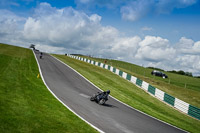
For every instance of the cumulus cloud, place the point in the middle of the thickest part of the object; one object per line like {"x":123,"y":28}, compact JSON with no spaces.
{"x":11,"y":26}
{"x":65,"y":26}
{"x":188,"y":46}
{"x":70,"y":28}
{"x":182,"y":56}
{"x":190,"y":63}
{"x":188,"y":58}
{"x":155,"y":49}
{"x":9,"y":21}
{"x":77,"y":32}
{"x":126,"y":47}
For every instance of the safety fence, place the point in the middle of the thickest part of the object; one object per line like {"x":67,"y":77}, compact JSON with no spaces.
{"x":170,"y":100}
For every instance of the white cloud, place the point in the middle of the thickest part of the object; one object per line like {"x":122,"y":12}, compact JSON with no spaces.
{"x":126,"y":47}
{"x":188,"y":46}
{"x":185,"y":56}
{"x":155,"y":49}
{"x":61,"y":26}
{"x":11,"y":26}
{"x":190,"y":63}
{"x":188,"y":55}
{"x":95,"y":18}
{"x":69,"y":28}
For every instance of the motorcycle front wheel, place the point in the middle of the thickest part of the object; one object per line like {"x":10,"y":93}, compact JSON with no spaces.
{"x":92,"y":97}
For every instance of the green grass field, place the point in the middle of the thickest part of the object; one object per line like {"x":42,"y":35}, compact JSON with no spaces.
{"x":183,"y":87}
{"x":25,"y":103}
{"x":131,"y":95}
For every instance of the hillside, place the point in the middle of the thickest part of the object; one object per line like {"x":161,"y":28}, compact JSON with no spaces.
{"x":25,"y":103}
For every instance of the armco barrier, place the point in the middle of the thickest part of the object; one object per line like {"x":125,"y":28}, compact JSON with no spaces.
{"x":151,"y":89}
{"x":139,"y":82}
{"x":170,"y":100}
{"x":194,"y":112}
{"x":181,"y":105}
{"x":145,"y":85}
{"x":159,"y":94}
{"x":128,"y":77}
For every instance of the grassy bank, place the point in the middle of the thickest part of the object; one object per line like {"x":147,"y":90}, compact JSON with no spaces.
{"x":25,"y":103}
{"x":133,"y":96}
{"x":183,"y":87}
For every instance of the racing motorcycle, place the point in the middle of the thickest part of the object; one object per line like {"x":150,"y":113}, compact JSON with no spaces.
{"x":100,"y":98}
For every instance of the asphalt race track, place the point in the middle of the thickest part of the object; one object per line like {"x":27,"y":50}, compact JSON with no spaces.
{"x":114,"y":117}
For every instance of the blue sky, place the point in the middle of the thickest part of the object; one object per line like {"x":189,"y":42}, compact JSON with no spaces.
{"x":144,"y":32}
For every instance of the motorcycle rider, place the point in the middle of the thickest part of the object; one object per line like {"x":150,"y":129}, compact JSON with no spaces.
{"x":41,"y":55}
{"x":103,"y":95}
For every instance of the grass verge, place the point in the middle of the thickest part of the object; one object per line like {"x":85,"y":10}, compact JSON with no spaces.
{"x":25,"y":103}
{"x":131,"y":95}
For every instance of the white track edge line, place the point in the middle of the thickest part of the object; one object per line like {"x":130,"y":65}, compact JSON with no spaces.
{"x":99,"y":130}
{"x":119,"y":100}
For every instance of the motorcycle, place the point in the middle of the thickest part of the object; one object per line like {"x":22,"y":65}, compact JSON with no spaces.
{"x":100,"y":98}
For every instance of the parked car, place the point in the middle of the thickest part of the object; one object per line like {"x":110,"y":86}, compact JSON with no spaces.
{"x":158,"y":73}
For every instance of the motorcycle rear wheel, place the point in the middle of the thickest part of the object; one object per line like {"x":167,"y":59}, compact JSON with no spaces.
{"x":102,"y":101}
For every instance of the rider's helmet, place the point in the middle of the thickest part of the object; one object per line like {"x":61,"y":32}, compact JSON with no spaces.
{"x":108,"y":91}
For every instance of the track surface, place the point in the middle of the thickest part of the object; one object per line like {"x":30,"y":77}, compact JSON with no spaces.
{"x":114,"y":117}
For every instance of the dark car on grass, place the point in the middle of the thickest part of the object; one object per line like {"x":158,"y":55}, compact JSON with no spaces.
{"x":158,"y":73}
